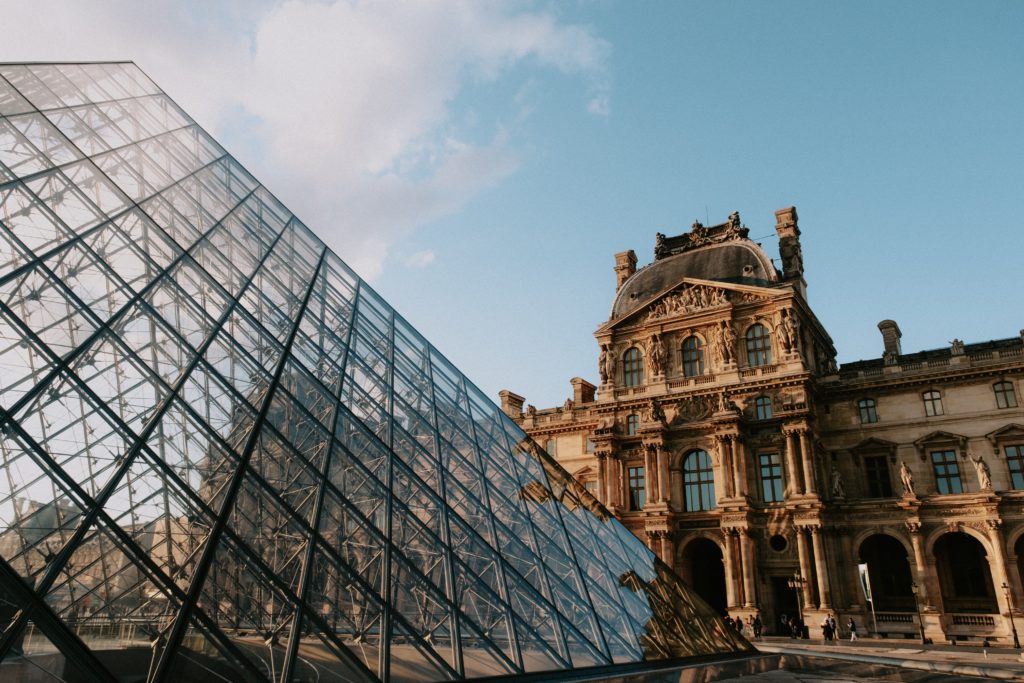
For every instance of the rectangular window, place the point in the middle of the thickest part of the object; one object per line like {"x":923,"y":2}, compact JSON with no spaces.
{"x":771,"y":477}
{"x":632,"y":422}
{"x":866,"y":407}
{"x":636,"y":488}
{"x":1015,"y":460}
{"x":876,"y":467}
{"x":589,"y":446}
{"x":932,"y":403}
{"x":947,"y":472}
{"x":591,"y":486}
{"x":1005,"y":398}
{"x":549,"y":446}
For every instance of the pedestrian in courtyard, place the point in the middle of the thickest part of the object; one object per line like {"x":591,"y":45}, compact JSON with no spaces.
{"x":852,"y":626}
{"x":757,"y":626}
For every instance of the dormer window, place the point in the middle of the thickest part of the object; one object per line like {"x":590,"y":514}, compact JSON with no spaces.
{"x":633,"y":367}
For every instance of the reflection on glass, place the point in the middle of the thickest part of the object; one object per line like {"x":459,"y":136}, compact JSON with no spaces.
{"x":224,"y":456}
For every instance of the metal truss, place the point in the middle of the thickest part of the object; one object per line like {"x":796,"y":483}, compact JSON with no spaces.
{"x":225,"y":456}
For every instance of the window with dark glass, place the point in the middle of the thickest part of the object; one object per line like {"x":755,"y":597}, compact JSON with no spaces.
{"x":693,"y":357}
{"x":636,"y":488}
{"x":771,"y":477}
{"x":876,"y":470}
{"x":633,"y":367}
{"x":1005,"y":398}
{"x":698,"y":481}
{"x":1015,"y":460}
{"x":759,"y":346}
{"x":947,"y":472}
{"x":932,"y":403}
{"x":866,"y":408}
{"x":763,"y":407}
{"x":632,"y":422}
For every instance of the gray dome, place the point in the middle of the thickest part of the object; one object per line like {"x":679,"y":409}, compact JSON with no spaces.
{"x":739,"y":261}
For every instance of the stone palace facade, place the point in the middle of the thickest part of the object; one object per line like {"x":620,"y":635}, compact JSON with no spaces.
{"x":725,"y":436}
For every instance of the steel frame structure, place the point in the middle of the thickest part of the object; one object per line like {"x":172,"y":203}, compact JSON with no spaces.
{"x":224,"y":455}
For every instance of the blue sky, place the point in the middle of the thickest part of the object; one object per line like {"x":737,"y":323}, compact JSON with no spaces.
{"x":481,"y":163}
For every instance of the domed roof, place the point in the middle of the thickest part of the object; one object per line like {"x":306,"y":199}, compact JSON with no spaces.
{"x":737,"y":261}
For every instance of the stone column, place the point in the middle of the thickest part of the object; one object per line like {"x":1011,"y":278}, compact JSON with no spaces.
{"x":730,"y":573}
{"x":668,"y":549}
{"x":748,"y":552}
{"x":824,"y":592}
{"x":739,"y":461}
{"x":805,"y":564}
{"x":725,"y":464}
{"x":920,"y":568}
{"x":663,"y":492}
{"x":649,"y":477}
{"x":807,"y":448}
{"x":602,"y":480}
{"x":999,"y":574}
{"x":793,"y":469}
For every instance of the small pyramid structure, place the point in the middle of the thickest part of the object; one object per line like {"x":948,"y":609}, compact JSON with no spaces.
{"x":225,"y":457}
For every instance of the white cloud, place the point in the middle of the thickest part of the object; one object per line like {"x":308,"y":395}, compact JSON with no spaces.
{"x":420,"y":259}
{"x":351,"y":103}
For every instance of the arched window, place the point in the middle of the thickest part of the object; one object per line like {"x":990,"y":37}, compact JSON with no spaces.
{"x":693,"y":357}
{"x":866,"y":408}
{"x":763,"y":407}
{"x":698,"y":481}
{"x":633,"y":368}
{"x":759,"y":346}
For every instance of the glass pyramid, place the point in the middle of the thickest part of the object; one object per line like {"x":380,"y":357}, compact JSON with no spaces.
{"x":225,"y":457}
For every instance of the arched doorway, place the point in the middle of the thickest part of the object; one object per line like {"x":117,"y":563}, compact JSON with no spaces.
{"x":964,"y":575}
{"x":889,"y":570}
{"x":701,"y":566}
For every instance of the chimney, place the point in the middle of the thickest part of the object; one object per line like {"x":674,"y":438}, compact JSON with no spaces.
{"x":582,"y":391}
{"x":625,"y":266}
{"x":789,"y":243}
{"x":511,"y":404}
{"x":891,"y":337}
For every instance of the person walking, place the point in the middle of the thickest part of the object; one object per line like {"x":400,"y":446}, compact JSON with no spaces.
{"x":757,"y":626}
{"x":852,"y":626}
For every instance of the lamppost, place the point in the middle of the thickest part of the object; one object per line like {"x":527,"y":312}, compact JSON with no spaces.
{"x":917,"y":605}
{"x":1009,"y":606}
{"x":796,"y":582}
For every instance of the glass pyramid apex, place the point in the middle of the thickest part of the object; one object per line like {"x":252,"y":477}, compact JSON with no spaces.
{"x":225,"y":457}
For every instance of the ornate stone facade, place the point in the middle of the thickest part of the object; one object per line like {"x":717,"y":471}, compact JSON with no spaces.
{"x":725,"y":436}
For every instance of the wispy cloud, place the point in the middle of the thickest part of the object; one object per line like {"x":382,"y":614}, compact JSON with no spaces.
{"x":420,"y":259}
{"x":348,"y":107}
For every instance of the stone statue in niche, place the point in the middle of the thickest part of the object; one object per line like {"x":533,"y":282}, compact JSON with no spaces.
{"x":788,"y":334}
{"x":606,"y":364}
{"x":984,"y":475}
{"x":728,"y":341}
{"x":656,"y":354}
{"x":907,"y":478}
{"x":838,"y":490}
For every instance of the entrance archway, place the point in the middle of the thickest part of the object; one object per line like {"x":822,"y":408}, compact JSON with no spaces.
{"x":964,"y":575}
{"x":701,"y":566}
{"x":889,"y":571}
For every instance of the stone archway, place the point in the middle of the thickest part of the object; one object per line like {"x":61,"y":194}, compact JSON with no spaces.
{"x":889,"y":569}
{"x":964,"y":575}
{"x":701,"y":565}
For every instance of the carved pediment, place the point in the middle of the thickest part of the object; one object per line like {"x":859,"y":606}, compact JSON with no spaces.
{"x":939,"y":438}
{"x":693,"y":409}
{"x":1011,"y":432}
{"x":874,"y":445}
